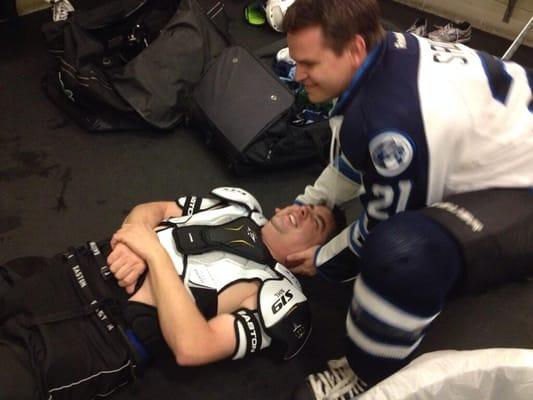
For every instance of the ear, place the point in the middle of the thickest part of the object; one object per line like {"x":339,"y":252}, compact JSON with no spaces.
{"x":277,"y":210}
{"x":357,"y":51}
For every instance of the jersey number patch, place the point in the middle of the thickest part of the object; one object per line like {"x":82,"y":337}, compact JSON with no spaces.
{"x":385,"y":198}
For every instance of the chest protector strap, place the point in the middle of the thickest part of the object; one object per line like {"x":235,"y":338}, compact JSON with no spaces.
{"x":241,"y":237}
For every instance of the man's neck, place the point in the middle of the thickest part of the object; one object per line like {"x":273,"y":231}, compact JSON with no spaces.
{"x":273,"y":249}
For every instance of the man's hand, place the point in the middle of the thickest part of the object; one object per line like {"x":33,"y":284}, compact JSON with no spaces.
{"x":140,"y":242}
{"x":303,"y":262}
{"x":126,"y":266}
{"x":141,"y":239}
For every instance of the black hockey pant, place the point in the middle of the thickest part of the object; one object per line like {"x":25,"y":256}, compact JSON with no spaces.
{"x":61,"y":334}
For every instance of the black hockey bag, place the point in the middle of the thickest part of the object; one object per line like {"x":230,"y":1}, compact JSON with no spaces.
{"x":252,"y":117}
{"x":108,"y":61}
{"x":88,"y":48}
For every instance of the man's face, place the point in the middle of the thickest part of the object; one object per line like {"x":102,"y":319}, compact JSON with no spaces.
{"x":324,"y":73}
{"x":298,"y":227}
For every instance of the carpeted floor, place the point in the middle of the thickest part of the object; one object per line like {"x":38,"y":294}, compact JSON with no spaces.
{"x":61,"y":186}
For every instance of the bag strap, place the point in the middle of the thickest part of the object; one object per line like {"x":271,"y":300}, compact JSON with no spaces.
{"x":215,"y":11}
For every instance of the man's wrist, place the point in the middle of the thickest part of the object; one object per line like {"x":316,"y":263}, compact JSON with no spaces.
{"x":156,"y":255}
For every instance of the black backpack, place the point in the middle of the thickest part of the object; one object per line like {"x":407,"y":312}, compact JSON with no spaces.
{"x":247,"y":114}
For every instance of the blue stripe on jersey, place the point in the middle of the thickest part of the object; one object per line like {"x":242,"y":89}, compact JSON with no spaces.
{"x":363,"y":220}
{"x":498,"y":78}
{"x":347,"y":170}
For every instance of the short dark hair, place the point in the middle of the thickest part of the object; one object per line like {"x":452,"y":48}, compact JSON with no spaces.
{"x":340,"y":20}
{"x":340,"y":221}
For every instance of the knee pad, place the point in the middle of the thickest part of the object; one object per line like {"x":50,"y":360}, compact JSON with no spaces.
{"x":411,"y":261}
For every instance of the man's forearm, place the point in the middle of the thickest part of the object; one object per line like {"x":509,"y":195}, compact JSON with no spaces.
{"x":331,"y":188}
{"x":184,"y":328}
{"x":151,"y":214}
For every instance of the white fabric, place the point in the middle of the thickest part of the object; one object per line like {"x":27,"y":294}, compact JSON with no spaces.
{"x":475,"y":142}
{"x":489,"y":374}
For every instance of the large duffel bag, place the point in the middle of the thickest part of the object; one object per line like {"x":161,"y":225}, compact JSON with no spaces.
{"x":245,"y":110}
{"x":130,"y":64}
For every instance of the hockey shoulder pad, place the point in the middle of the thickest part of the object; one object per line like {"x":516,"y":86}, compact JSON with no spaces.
{"x":286,"y":315}
{"x":239,"y":196}
{"x":192,"y":204}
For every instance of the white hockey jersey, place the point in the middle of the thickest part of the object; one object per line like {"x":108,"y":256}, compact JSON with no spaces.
{"x":422,"y":120}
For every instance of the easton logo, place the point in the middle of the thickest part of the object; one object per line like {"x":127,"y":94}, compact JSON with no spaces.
{"x":251,"y":330}
{"x":190,"y":208}
{"x":283,"y":298}
{"x":79,"y":276}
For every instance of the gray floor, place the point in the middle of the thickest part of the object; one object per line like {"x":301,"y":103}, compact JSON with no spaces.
{"x":60,"y":186}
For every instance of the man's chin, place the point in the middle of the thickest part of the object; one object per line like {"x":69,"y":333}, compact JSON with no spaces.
{"x":316,"y":97}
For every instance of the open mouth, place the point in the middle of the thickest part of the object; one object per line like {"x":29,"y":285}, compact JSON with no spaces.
{"x":292,"y":220}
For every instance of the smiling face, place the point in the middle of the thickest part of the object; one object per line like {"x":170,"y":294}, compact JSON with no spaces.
{"x":296,"y":228}
{"x":324,"y":73}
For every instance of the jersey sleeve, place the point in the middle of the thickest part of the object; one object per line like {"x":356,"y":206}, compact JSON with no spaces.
{"x":338,"y":260}
{"x":337,"y":184}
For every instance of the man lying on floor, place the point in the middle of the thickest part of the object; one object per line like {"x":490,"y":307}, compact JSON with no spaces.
{"x":206,"y":284}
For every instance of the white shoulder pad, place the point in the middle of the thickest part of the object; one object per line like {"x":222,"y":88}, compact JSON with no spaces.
{"x":276,"y":298}
{"x":212,"y":216}
{"x":237,"y":195}
{"x":286,"y":315}
{"x":284,"y":271}
{"x":258,"y":218}
{"x":193,"y":204}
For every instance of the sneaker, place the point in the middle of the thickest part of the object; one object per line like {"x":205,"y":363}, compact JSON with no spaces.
{"x":285,"y":56}
{"x":419,"y":27}
{"x":60,"y":9}
{"x":456,"y":32}
{"x":338,"y":382}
